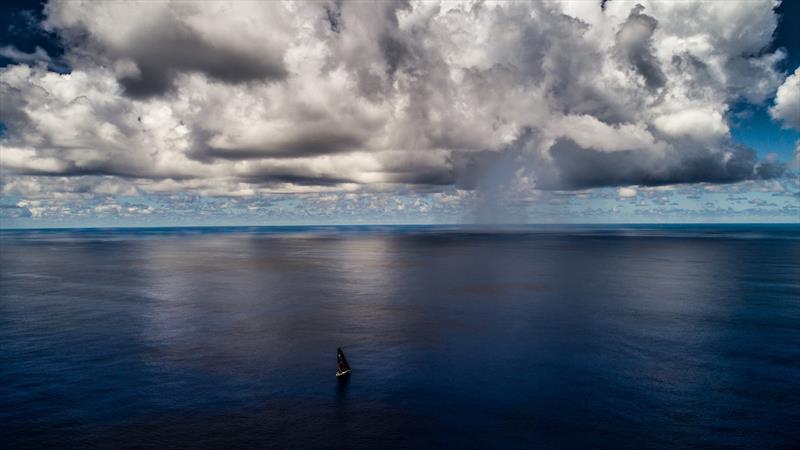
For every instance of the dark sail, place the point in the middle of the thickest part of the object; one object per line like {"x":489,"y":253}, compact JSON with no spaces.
{"x":342,"y":368}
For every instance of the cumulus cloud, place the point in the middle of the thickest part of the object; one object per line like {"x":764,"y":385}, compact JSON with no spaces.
{"x":787,"y":102}
{"x":239,"y":98}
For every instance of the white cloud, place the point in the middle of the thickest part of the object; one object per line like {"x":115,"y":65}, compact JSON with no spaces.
{"x":23,"y":159}
{"x":787,"y":102}
{"x":702,"y":124}
{"x":39,"y":55}
{"x":627,"y":192}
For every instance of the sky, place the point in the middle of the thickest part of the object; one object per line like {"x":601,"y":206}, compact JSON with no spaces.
{"x":258,"y":113}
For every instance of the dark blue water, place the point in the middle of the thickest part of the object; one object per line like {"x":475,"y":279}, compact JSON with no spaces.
{"x":601,"y":337}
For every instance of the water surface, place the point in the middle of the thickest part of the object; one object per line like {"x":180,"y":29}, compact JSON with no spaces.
{"x":548,"y":337}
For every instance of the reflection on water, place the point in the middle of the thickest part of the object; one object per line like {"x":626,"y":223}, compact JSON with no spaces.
{"x":631,"y":337}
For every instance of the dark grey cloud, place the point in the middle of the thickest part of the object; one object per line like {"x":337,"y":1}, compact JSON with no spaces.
{"x":333,"y":13}
{"x":161,"y":56}
{"x":394,"y":53}
{"x":294,"y":175}
{"x":576,"y":167}
{"x":421,"y":173}
{"x":429,"y":177}
{"x":107,"y":167}
{"x":379,"y":42}
{"x":770,"y":167}
{"x":12,"y":112}
{"x":473,"y":169}
{"x":699,"y":82}
{"x":160,"y":50}
{"x":310,"y":143}
{"x":635,"y":43}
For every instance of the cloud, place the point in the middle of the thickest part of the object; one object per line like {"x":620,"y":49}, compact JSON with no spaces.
{"x":794,"y":164}
{"x":507,"y":98}
{"x":39,"y":55}
{"x":635,"y":43}
{"x":787,"y":102}
{"x":284,"y":142}
{"x":577,"y":167}
{"x":150,"y":44}
{"x":699,"y":124}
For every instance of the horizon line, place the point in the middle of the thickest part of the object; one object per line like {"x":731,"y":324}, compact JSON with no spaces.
{"x":461,"y":225}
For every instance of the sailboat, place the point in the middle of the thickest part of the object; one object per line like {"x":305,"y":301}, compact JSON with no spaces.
{"x":342,"y":368}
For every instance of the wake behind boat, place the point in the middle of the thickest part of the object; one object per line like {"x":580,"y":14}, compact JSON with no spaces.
{"x":342,"y":368}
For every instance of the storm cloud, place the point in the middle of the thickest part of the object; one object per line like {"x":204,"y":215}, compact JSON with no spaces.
{"x":580,"y":168}
{"x":261,"y":96}
{"x":635,"y":43}
{"x":148,"y":44}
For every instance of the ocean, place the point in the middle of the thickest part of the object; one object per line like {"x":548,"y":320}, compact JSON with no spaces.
{"x":459,"y":337}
